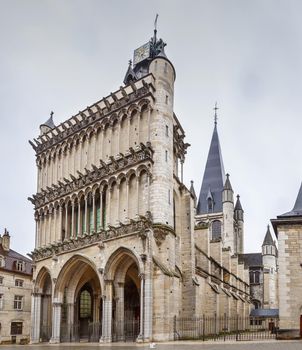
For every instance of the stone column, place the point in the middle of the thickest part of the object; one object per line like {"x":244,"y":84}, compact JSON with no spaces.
{"x":101,"y":208}
{"x":35,"y":318}
{"x":60,"y":224}
{"x":86,"y":216}
{"x":140,"y":337}
{"x":107,"y":314}
{"x":120,"y":310}
{"x":109,"y":206}
{"x":55,"y":224}
{"x":45,"y":228}
{"x":49,"y":237}
{"x":119,"y":136}
{"x":129,"y":128}
{"x":148,"y":298}
{"x":118,"y":186}
{"x":137,"y":195}
{"x":93,"y":213}
{"x":127,"y":198}
{"x":181,"y":170}
{"x":79,"y":218}
{"x":149,"y":119}
{"x":66,"y":222}
{"x":72,"y":233}
{"x":37,"y":240}
{"x":56,"y":322}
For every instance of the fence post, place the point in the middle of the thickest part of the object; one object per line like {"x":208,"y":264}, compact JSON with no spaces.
{"x":203,"y":327}
{"x":237,"y":327}
{"x":174,"y":326}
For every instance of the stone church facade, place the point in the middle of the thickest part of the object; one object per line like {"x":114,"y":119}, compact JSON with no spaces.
{"x":122,"y":246}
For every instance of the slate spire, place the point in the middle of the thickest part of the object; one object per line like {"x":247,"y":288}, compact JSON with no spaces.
{"x":268,"y":239}
{"x":213,"y":178}
{"x":297,"y":209}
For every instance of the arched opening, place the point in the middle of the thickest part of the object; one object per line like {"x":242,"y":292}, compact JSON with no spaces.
{"x":126,"y":304}
{"x":78,"y":287}
{"x":44,"y":281}
{"x":85,"y":311}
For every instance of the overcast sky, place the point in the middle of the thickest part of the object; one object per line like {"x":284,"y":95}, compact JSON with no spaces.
{"x":246,"y":55}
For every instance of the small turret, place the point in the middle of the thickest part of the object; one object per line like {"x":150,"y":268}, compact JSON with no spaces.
{"x":48,"y":125}
{"x":229,"y":238}
{"x":6,"y":240}
{"x":227,"y":193}
{"x":238,"y":212}
{"x":268,"y":245}
{"x":238,"y":217}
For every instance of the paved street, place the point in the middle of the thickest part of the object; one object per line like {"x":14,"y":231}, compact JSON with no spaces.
{"x":271,"y":345}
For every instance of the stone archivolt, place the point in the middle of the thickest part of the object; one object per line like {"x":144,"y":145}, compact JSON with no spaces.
{"x":121,"y":162}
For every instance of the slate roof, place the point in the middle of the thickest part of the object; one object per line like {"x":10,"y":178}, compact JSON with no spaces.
{"x":251,"y":259}
{"x":268,"y":240}
{"x":49,"y":122}
{"x":265,"y":313}
{"x":11,"y":257}
{"x":238,"y":205}
{"x":213,"y":178}
{"x":297,"y":210}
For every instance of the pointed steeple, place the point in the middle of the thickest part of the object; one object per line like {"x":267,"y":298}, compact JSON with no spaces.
{"x":297,"y":209}
{"x":48,"y":125}
{"x":238,"y":203}
{"x":227,"y":184}
{"x":213,"y":178}
{"x":130,"y":74}
{"x":268,"y":239}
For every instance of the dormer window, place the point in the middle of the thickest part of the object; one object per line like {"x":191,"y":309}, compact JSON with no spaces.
{"x":20,"y":265}
{"x":2,"y":261}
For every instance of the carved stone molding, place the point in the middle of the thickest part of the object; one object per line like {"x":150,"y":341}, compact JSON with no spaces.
{"x":98,"y":237}
{"x":160,"y":232}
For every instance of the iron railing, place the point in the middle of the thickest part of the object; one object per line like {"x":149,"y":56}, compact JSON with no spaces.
{"x":225,"y":328}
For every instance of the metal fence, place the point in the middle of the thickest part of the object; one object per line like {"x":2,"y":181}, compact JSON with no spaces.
{"x":45,"y":333}
{"x":126,"y":330}
{"x":225,"y":328}
{"x":69,"y":333}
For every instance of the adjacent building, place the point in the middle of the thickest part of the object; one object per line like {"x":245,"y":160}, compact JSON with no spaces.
{"x":288,"y":229}
{"x":263,"y":279}
{"x":15,"y":294}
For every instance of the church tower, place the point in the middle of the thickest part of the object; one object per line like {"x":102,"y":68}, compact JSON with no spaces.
{"x":216,"y":200}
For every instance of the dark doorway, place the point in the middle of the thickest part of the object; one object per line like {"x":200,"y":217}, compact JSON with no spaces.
{"x":85,"y":310}
{"x":300,"y":326}
{"x":132,"y":310}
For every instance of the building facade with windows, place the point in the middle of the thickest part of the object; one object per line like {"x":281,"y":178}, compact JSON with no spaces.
{"x":288,"y":229}
{"x":15,"y":293}
{"x":119,"y":251}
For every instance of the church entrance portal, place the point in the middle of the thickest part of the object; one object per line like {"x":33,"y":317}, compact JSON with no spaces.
{"x":85,"y":305}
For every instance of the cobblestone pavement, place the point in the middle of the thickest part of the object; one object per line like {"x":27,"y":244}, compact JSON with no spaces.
{"x":268,"y":345}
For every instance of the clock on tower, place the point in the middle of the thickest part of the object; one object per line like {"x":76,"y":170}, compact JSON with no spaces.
{"x":141,"y":53}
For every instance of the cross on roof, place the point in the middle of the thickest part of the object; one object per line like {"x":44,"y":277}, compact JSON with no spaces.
{"x":215,"y":115}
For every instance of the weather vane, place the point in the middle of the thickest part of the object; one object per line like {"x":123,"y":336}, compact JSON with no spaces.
{"x":51,"y":114}
{"x":215,"y":115}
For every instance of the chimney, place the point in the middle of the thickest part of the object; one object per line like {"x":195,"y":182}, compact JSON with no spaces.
{"x":6,"y":240}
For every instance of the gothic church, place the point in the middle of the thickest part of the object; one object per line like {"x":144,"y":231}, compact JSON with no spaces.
{"x":123,"y":247}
